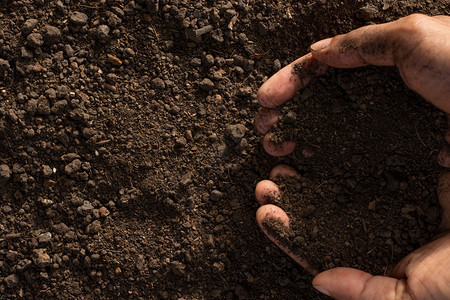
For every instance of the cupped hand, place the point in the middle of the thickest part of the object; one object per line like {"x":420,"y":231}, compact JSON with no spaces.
{"x":419,"y":46}
{"x":423,"y":274}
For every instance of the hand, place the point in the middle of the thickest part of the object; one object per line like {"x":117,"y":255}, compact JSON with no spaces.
{"x":419,"y":46}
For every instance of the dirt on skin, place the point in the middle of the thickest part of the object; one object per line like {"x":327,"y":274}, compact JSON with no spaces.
{"x":128,"y":157}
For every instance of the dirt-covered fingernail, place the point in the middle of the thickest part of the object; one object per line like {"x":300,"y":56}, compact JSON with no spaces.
{"x":322,"y":290}
{"x":320,"y":45}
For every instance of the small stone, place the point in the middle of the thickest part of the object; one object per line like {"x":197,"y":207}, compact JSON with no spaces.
{"x":158,"y":83}
{"x":5,"y":172}
{"x":73,"y":167}
{"x":78,"y":19}
{"x":112,"y":78}
{"x":85,"y":209}
{"x":35,"y":40}
{"x":26,"y":53}
{"x":208,"y":60}
{"x":69,"y":157}
{"x":47,"y":171}
{"x":52,"y":34}
{"x":29,"y":25}
{"x":103,"y":211}
{"x":236,"y":132}
{"x":45,"y":237}
{"x":45,"y":202}
{"x":206,"y":84}
{"x":68,"y":50}
{"x":186,"y":179}
{"x":61,"y":228}
{"x":40,"y":258}
{"x":50,"y":94}
{"x":94,"y":227}
{"x":101,"y":33}
{"x":59,"y":107}
{"x":368,"y":12}
{"x":114,"y":60}
{"x":215,"y":195}
{"x":114,"y":20}
{"x":276,"y":65}
{"x":11,"y":280}
{"x":196,"y":62}
{"x":43,"y":106}
{"x":62,"y":91}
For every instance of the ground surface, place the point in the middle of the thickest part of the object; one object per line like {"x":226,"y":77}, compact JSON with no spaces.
{"x":128,"y":156}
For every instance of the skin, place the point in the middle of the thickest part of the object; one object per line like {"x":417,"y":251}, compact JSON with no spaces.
{"x":419,"y":46}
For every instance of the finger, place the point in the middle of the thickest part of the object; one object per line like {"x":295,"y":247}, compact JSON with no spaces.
{"x":285,"y":148}
{"x":265,"y":118}
{"x":266,"y":191}
{"x":348,"y":284}
{"x":443,"y":157}
{"x":285,"y":83}
{"x":371,"y":44}
{"x":444,"y":199}
{"x":272,"y":212}
{"x":283,"y":171}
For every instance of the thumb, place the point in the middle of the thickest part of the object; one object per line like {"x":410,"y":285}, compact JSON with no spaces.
{"x":347,"y":284}
{"x":369,"y":45}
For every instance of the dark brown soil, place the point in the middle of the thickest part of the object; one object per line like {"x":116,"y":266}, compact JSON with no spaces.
{"x":366,"y":147}
{"x":128,"y":157}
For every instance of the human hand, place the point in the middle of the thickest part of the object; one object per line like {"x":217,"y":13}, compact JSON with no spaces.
{"x":419,"y":46}
{"x":423,"y":274}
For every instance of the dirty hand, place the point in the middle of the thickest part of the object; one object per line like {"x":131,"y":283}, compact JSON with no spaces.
{"x":419,"y":46}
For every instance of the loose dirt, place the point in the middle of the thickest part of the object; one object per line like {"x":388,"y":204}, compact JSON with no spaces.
{"x":128,"y":156}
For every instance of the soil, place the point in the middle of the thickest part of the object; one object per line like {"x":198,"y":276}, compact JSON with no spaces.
{"x":128,"y":156}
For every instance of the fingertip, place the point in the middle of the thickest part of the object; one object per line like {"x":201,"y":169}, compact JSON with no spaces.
{"x":320,"y":45}
{"x":265,"y":118}
{"x":284,"y":171}
{"x":348,"y":283}
{"x":271,"y":212}
{"x":266,"y":190}
{"x":283,"y":149}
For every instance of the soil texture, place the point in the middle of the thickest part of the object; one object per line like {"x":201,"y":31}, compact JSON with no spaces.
{"x":128,"y":155}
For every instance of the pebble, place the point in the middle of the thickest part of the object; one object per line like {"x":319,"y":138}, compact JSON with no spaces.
{"x":215,"y":195}
{"x":102,"y":33}
{"x":47,"y":171}
{"x":158,"y":83}
{"x":29,"y":25}
{"x":45,"y":237}
{"x":85,"y":209}
{"x":5,"y":172}
{"x":40,"y":258}
{"x":114,"y":60}
{"x":368,"y":12}
{"x":52,"y":34}
{"x":78,"y":19}
{"x":236,"y":132}
{"x":61,"y":228}
{"x":103,"y":211}
{"x":59,"y":107}
{"x":206,"y":84}
{"x":35,"y":40}
{"x":69,"y":157}
{"x":73,"y":167}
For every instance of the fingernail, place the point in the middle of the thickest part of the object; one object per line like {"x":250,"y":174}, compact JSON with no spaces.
{"x":321,"y":44}
{"x":322,"y":290}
